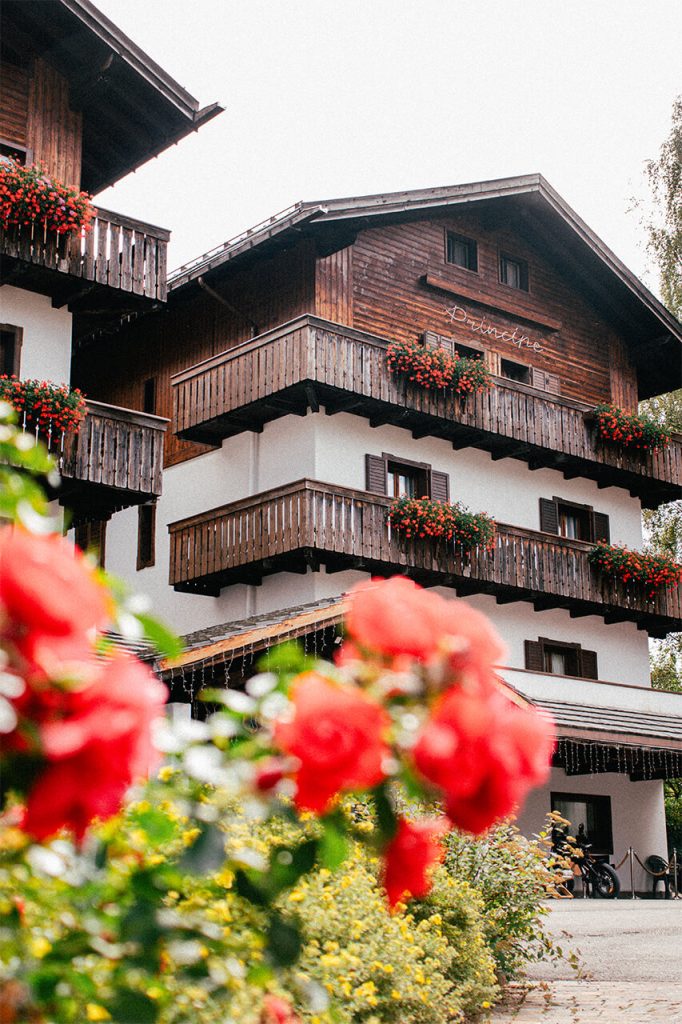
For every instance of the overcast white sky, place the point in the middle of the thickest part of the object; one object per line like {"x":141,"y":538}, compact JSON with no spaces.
{"x":330,"y":98}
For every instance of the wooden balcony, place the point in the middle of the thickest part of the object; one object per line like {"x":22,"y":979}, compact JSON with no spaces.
{"x":120,"y":259}
{"x":309,"y":524}
{"x":310,"y":362}
{"x":113,"y":462}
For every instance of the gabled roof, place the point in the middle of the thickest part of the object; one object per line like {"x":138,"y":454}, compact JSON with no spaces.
{"x":132,"y":109}
{"x":652,"y":331}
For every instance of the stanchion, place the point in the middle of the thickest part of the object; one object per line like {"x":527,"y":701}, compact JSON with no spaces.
{"x":631,"y":853}
{"x":677,"y":891}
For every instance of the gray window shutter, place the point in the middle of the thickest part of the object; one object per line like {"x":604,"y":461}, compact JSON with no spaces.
{"x":553,"y":382}
{"x":549,"y":516}
{"x":588,"y":664}
{"x":439,"y":486}
{"x":600,"y":527}
{"x":431,"y":339}
{"x":375,"y":468}
{"x":538,"y":378}
{"x":535,"y":661}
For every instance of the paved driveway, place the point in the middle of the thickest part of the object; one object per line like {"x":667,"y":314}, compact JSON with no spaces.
{"x":632,"y":956}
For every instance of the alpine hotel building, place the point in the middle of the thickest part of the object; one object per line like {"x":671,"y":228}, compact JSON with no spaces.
{"x":287,"y":435}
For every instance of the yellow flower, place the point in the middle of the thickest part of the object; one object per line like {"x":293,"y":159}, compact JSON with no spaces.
{"x":96,"y":1012}
{"x":39,"y":946}
{"x":190,"y":835}
{"x":485,"y":1004}
{"x":166,"y":773}
{"x":296,"y":896}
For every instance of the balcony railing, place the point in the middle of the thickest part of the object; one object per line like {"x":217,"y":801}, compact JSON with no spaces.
{"x":309,"y":524}
{"x":118,"y":252}
{"x":311,"y":361}
{"x":115,"y":460}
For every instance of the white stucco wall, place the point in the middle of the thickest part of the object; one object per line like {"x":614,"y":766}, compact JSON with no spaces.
{"x":506,"y":489}
{"x":637,"y":815}
{"x":46,"y":348}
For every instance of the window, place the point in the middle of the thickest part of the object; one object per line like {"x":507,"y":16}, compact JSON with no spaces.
{"x":593,"y":813}
{"x":10,"y":349}
{"x":12,"y":151}
{"x":514,"y":272}
{"x":560,"y":658}
{"x":92,"y":536}
{"x":149,"y":396}
{"x":573,"y":521}
{"x":397,"y":478}
{"x":466,"y":352}
{"x":461,"y":251}
{"x":515,"y":371}
{"x":146,"y":535}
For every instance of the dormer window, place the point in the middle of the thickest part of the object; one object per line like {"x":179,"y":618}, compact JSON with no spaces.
{"x":514,"y":272}
{"x":461,"y":251}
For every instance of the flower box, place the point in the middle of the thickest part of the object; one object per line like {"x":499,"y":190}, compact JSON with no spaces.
{"x":424,"y":517}
{"x":653,"y":572}
{"x":29,"y":196}
{"x":629,"y":430}
{"x":436,"y":369}
{"x":46,"y":409}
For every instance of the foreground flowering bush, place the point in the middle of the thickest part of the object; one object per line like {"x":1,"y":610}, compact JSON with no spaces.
{"x":413,"y":704}
{"x":437,"y":370}
{"x":630,"y":430}
{"x":654,"y":572}
{"x":28,"y":195}
{"x":423,"y":517}
{"x":43,"y":408}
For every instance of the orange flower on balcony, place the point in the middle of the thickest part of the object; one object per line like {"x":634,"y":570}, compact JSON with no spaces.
{"x":29,"y":196}
{"x":629,"y":430}
{"x":652,"y":571}
{"x":436,"y":370}
{"x":421,"y":518}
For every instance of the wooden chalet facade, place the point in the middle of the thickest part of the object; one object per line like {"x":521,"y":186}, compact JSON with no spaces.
{"x":289,"y":437}
{"x":83,"y":101}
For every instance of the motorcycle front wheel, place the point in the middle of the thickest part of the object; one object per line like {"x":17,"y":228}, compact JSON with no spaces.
{"x":605,"y":884}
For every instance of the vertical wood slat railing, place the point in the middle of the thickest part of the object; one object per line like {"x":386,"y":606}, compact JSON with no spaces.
{"x":115,"y":448}
{"x":117,"y":251}
{"x":351,"y":361}
{"x":337,"y":521}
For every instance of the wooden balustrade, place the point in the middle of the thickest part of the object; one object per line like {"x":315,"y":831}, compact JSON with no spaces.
{"x":115,"y":460}
{"x":310,"y":361}
{"x":118,"y":252}
{"x":308,"y":524}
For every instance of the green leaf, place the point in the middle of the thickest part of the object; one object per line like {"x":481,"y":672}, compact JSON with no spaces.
{"x":288,"y":863}
{"x":333,"y":846}
{"x":249,"y":890}
{"x":386,"y":816}
{"x":207,"y":853}
{"x":157,"y":826}
{"x":130,"y":1007}
{"x":162,"y":638}
{"x":284,"y":941}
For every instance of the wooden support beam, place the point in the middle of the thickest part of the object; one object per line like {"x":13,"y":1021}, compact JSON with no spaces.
{"x":311,"y":398}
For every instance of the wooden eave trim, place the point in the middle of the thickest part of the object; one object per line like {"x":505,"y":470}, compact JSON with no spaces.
{"x":586,"y":679}
{"x":134,"y":56}
{"x":616,"y":739}
{"x":518,"y":308}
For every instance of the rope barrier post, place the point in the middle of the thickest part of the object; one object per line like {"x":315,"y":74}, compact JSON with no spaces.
{"x":677,"y":891}
{"x":632,"y":873}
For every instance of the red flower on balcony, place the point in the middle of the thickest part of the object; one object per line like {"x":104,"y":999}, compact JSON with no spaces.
{"x":420,"y":518}
{"x":654,"y":572}
{"x":629,"y":430}
{"x":29,"y":196}
{"x":437,"y":370}
{"x":46,"y":409}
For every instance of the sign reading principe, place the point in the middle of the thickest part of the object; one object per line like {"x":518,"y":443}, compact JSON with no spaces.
{"x":481,"y":325}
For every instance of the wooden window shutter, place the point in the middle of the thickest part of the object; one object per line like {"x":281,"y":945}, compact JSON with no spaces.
{"x":375,"y":467}
{"x":535,"y":661}
{"x":549,"y":515}
{"x":553,"y":383}
{"x":92,"y":536}
{"x":439,"y":485}
{"x":146,"y":535}
{"x":538,"y":378}
{"x":600,"y":527}
{"x":431,"y":339}
{"x":588,"y":664}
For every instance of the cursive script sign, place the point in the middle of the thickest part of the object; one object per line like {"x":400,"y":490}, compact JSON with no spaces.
{"x":481,"y":325}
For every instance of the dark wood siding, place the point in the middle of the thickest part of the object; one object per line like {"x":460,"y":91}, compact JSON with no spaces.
{"x":391,"y":298}
{"x":55,"y":132}
{"x":13,"y":104}
{"x":190,"y":330}
{"x":334,"y":287}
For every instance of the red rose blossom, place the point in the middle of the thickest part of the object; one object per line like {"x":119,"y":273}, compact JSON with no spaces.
{"x":395,"y":616}
{"x":483,"y":753}
{"x":97,"y":742}
{"x":276,"y":1010}
{"x":337,"y":735}
{"x":410,"y":858}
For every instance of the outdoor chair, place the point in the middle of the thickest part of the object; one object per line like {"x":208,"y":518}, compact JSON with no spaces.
{"x":657,"y":864}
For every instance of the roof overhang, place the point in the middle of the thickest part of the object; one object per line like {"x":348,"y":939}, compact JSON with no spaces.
{"x":132,"y":109}
{"x":653,"y":334}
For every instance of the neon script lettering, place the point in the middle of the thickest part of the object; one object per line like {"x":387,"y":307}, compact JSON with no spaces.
{"x":481,"y":325}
